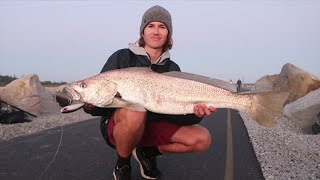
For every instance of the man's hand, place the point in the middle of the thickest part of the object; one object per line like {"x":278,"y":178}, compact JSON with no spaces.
{"x":201,"y":110}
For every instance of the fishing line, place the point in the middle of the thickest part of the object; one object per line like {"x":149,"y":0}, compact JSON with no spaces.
{"x":61,"y":134}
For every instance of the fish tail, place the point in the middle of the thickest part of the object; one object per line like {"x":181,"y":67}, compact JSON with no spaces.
{"x":267,"y":107}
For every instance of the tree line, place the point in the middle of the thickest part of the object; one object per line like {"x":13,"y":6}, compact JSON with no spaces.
{"x":4,"y":80}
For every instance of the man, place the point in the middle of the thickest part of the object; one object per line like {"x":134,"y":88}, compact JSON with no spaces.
{"x":239,"y":83}
{"x":146,"y":135}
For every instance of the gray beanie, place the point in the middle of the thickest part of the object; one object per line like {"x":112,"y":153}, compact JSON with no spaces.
{"x":157,"y":14}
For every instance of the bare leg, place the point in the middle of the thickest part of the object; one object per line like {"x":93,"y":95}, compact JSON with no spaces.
{"x":188,"y":139}
{"x":128,"y":130}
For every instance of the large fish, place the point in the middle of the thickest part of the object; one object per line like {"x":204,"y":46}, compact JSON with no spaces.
{"x":172,"y":93}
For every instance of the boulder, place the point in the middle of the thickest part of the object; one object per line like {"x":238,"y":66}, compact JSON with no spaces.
{"x":61,"y":88}
{"x":265,"y":84}
{"x":29,"y":95}
{"x":304,"y":111}
{"x":296,"y":81}
{"x":291,"y":79}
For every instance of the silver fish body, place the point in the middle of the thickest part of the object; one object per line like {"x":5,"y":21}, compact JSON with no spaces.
{"x":171,"y":93}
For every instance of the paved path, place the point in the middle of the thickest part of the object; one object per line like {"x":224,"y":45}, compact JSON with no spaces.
{"x":77,"y":151}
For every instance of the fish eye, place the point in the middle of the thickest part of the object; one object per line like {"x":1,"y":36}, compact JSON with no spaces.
{"x":83,"y":85}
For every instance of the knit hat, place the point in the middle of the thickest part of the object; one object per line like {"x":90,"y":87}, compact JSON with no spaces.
{"x":157,"y":14}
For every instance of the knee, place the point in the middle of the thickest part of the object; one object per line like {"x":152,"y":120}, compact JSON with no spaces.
{"x":203,"y":141}
{"x":130,"y":118}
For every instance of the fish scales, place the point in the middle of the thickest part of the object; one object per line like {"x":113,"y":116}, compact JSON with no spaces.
{"x":143,"y":89}
{"x":172,"y":95}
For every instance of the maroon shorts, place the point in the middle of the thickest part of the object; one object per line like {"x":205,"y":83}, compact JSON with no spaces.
{"x":156,"y":133}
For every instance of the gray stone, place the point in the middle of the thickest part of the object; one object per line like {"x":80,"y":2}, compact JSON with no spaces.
{"x":28,"y":94}
{"x":304,"y":111}
{"x":265,"y":84}
{"x":296,"y":81}
{"x":291,"y":79}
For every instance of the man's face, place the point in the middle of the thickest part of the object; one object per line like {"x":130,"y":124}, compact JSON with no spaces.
{"x":155,"y":35}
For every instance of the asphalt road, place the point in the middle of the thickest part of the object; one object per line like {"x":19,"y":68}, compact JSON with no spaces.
{"x":78,"y":151}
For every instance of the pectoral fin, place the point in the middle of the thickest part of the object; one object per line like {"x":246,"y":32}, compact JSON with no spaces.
{"x":120,"y":103}
{"x":107,"y":91}
{"x":135,"y":107}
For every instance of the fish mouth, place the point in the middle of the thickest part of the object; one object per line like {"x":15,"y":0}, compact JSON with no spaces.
{"x":73,"y":93}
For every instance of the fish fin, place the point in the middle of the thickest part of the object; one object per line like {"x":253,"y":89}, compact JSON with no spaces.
{"x":267,"y":107}
{"x":120,"y":103}
{"x":107,"y":92}
{"x":203,"y":79}
{"x":135,"y":107}
{"x":146,"y":69}
{"x":117,"y":103}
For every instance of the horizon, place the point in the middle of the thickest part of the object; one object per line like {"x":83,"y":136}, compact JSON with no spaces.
{"x":227,"y":40}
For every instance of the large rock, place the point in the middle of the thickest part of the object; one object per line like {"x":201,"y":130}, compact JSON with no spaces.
{"x":265,"y":84}
{"x":305,"y":110}
{"x":28,"y":94}
{"x":296,"y":81}
{"x":291,"y":79}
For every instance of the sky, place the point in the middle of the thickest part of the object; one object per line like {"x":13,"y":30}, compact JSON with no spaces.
{"x":228,"y":40}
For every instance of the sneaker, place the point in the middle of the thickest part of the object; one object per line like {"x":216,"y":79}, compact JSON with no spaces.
{"x":123,"y":173}
{"x":148,"y":166}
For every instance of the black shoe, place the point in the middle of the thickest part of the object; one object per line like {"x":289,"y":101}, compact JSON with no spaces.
{"x":123,"y":173}
{"x":148,"y":166}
